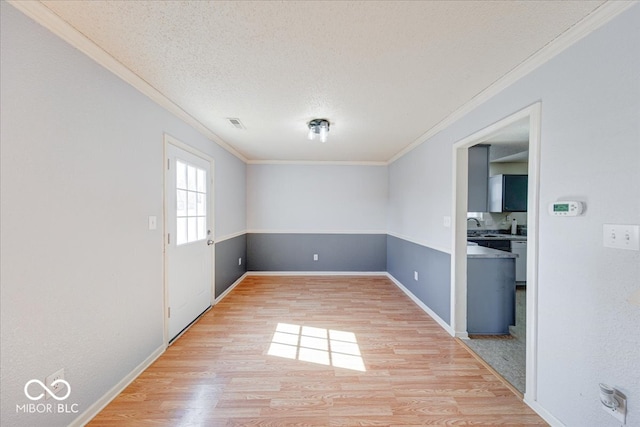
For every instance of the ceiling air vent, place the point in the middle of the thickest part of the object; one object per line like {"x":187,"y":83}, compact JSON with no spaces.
{"x":236,"y":123}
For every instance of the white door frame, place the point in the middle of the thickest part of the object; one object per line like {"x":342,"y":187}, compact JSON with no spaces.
{"x":459,"y":235}
{"x":168,"y":139}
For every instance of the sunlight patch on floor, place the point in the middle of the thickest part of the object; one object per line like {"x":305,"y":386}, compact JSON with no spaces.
{"x":316,"y":345}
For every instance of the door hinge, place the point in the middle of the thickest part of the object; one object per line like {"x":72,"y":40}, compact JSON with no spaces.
{"x":169,"y":312}
{"x":168,"y":164}
{"x":168,"y":238}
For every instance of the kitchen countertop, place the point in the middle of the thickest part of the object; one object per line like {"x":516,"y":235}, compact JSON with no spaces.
{"x":496,"y":236}
{"x":474,"y":251}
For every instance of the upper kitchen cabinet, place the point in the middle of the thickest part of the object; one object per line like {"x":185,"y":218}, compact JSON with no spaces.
{"x":508,"y":193}
{"x":478,"y":178}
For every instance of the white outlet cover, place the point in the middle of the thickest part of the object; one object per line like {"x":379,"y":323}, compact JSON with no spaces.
{"x":447,"y":221}
{"x":58,"y":388}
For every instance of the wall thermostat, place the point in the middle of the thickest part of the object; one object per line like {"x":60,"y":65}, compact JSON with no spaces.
{"x":566,"y":208}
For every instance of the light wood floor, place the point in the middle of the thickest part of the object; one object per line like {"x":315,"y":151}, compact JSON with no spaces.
{"x":316,"y":351}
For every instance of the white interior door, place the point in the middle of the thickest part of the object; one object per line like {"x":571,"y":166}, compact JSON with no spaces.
{"x":189,"y":244}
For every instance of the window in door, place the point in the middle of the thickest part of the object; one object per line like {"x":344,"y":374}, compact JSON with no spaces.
{"x":191,"y":206}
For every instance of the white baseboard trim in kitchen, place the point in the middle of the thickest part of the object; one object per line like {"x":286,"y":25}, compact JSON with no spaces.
{"x":101,"y":403}
{"x":553,"y":421}
{"x":423,"y":306}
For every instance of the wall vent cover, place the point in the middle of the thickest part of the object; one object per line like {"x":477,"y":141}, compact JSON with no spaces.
{"x":236,"y":123}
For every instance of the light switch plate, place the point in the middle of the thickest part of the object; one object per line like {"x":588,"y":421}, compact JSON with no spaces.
{"x":153,"y":223}
{"x":621,"y":236}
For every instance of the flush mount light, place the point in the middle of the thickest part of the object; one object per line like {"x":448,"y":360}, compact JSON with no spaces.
{"x":319,"y":128}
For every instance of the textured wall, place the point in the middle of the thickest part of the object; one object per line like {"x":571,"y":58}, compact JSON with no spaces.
{"x":316,"y":198}
{"x":336,"y":252}
{"x":434,"y":273}
{"x":82,"y":157}
{"x":228,"y":270}
{"x":590,"y":96}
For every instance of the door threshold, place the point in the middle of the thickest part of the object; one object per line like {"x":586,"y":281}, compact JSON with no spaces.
{"x":492,"y":370}
{"x":172,"y":340}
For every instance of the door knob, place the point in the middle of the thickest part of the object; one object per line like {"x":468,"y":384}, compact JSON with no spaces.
{"x":209,"y":242}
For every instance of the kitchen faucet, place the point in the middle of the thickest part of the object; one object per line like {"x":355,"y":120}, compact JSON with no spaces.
{"x":476,"y":220}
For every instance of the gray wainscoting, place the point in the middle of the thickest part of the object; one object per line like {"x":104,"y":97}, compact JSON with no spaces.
{"x":336,"y":252}
{"x":227,"y":268}
{"x":433,"y":286}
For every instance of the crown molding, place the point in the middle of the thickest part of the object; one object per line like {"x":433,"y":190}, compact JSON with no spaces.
{"x":315,"y":163}
{"x":49,"y":20}
{"x":52,"y":22}
{"x":596,"y":19}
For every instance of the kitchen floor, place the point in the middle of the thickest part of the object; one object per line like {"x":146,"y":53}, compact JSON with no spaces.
{"x":506,"y":354}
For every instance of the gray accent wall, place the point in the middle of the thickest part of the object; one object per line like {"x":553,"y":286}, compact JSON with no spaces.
{"x":228,"y":270}
{"x":433,"y":286}
{"x":336,"y":252}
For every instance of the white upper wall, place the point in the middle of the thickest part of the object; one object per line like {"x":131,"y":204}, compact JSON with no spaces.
{"x":316,"y":198}
{"x":590,"y":151}
{"x":420,"y":188}
{"x":81,"y":171}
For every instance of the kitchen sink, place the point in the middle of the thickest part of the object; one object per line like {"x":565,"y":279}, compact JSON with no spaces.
{"x":480,"y":235}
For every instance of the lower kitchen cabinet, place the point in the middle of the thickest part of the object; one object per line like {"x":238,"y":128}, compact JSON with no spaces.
{"x":491,"y":295}
{"x":520,"y":248}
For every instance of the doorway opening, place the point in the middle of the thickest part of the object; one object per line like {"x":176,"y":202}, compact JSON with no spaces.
{"x":490,"y":226}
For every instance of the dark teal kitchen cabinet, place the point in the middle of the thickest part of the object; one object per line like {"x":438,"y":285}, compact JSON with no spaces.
{"x":508,"y":193}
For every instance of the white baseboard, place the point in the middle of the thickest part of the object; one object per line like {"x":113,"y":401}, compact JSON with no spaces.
{"x":423,"y":306}
{"x":462,"y":335}
{"x":553,"y":421}
{"x":316,"y":273}
{"x":229,"y":289}
{"x":101,"y":403}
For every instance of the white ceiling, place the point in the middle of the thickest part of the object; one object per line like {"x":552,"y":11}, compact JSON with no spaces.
{"x":383,"y":72}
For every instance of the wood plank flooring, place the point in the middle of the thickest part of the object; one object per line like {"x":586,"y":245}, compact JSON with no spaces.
{"x":316,"y":351}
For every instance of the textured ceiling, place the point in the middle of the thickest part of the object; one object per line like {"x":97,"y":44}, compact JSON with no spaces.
{"x":383,"y":73}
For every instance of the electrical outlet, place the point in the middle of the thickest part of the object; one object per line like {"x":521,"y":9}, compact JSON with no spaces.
{"x":613,"y":403}
{"x":315,"y":257}
{"x":446,"y":221}
{"x":239,"y":261}
{"x":54,"y":384}
{"x":415,"y":275}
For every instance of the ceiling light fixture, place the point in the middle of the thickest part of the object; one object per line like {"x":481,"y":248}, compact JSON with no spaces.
{"x":318,"y":128}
